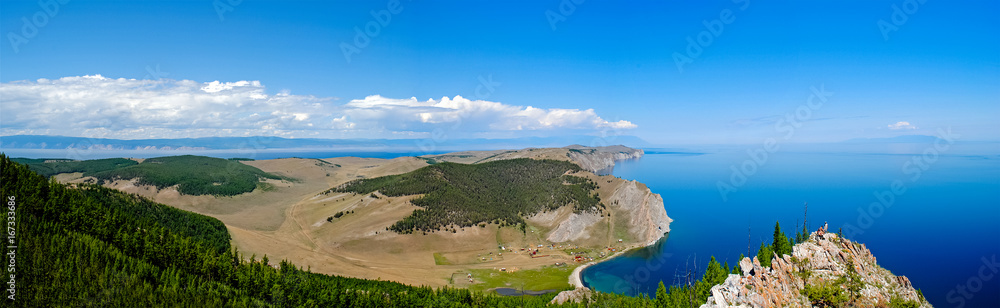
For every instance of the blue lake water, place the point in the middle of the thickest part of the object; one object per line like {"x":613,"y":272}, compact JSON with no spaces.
{"x":937,"y":232}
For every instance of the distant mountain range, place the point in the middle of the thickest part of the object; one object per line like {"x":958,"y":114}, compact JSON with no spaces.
{"x":897,"y":139}
{"x":226,"y":143}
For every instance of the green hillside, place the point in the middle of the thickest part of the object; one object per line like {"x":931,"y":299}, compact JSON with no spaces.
{"x":194,"y":175}
{"x":87,"y":167}
{"x":500,"y":191}
{"x":94,"y":246}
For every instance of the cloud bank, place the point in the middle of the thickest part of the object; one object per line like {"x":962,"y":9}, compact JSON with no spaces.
{"x":901,"y":125}
{"x":96,"y":106}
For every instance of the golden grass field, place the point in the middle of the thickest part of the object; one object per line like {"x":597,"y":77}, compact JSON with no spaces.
{"x":288,"y":220}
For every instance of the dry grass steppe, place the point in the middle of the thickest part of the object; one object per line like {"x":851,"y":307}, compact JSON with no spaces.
{"x":289,"y":220}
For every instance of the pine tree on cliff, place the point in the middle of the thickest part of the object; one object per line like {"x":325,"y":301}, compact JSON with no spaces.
{"x":764,"y":255}
{"x":714,"y":273}
{"x":781,"y":246}
{"x":804,"y":234}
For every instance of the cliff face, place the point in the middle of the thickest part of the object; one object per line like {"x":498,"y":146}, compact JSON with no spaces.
{"x":647,"y":218}
{"x":635,"y":208}
{"x":638,"y":211}
{"x":591,"y":159}
{"x":825,"y":260}
{"x":594,"y":159}
{"x":573,"y":228}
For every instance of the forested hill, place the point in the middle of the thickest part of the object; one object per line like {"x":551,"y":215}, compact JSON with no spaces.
{"x":193,"y":175}
{"x":50,"y":167}
{"x":93,"y":246}
{"x":499,"y":192}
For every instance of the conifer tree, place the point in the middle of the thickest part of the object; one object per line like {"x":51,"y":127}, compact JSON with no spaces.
{"x":764,"y":255}
{"x":661,"y":296}
{"x":780,"y":245}
{"x":714,"y":273}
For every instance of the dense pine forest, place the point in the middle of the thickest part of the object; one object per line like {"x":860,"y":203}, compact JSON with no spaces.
{"x":86,"y":245}
{"x":193,"y":175}
{"x":50,"y":167}
{"x":498,"y":192}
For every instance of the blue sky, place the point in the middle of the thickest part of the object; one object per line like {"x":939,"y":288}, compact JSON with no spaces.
{"x":597,"y":67}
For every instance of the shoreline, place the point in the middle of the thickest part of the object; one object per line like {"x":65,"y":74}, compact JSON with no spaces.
{"x":575,"y":278}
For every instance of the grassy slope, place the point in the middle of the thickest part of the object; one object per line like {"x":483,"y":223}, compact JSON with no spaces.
{"x":79,"y":249}
{"x":498,"y":192}
{"x":194,"y":175}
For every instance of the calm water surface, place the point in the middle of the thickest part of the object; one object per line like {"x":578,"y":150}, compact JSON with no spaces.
{"x":937,"y":232}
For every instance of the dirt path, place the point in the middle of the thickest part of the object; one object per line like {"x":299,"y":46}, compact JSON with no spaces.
{"x":295,"y":217}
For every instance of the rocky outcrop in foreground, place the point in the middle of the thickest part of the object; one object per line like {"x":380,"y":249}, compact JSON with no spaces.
{"x":598,"y":158}
{"x":825,"y":264}
{"x":578,"y":295}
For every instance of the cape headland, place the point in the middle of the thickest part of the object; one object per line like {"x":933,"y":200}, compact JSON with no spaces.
{"x":300,"y":215}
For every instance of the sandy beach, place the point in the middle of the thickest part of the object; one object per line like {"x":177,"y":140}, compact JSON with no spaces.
{"x":574,"y":278}
{"x":577,"y":282}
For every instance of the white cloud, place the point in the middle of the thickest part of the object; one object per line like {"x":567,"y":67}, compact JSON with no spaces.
{"x":901,"y":125}
{"x":472,"y":115}
{"x":96,"y":106}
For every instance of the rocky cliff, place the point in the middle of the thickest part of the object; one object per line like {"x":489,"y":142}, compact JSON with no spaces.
{"x":598,"y":158}
{"x":647,"y":218}
{"x":636,"y":209}
{"x":573,"y":228}
{"x":826,"y":270}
